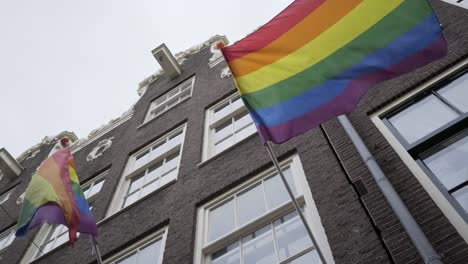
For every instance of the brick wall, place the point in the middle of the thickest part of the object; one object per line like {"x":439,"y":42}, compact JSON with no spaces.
{"x":360,"y":229}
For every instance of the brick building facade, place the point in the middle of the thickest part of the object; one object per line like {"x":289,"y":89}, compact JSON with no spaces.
{"x":174,"y":178}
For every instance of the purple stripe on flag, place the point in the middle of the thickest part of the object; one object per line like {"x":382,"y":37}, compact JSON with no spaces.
{"x":348,"y":99}
{"x":53,"y":214}
{"x":50,"y":214}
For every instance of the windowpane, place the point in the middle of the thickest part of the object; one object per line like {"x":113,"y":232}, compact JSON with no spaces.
{"x":259,"y":248}
{"x":221,"y":111}
{"x":130,"y":199}
{"x":150,"y":254}
{"x":150,"y":188}
{"x":154,"y":172}
{"x":291,"y":236}
{"x":227,"y":255}
{"x":136,"y":183}
{"x":46,"y":248}
{"x":221,"y":220}
{"x":95,"y":189}
{"x":237,"y":103}
{"x":61,"y":239}
{"x":242,"y":121}
{"x":275,"y":190}
{"x":141,"y":160}
{"x":223,"y":131}
{"x":223,"y":145}
{"x":457,"y":92}
{"x":4,"y":197}
{"x":462,"y":197}
{"x":245,"y":132}
{"x":309,"y":258}
{"x":6,"y":239}
{"x":422,"y":118}
{"x":450,"y":164}
{"x":132,"y":259}
{"x":250,"y":204}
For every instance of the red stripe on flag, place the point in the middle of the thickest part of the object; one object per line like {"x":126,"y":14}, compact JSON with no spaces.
{"x":269,"y":32}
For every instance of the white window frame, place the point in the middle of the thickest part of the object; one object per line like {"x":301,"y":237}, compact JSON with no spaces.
{"x":463,"y":3}
{"x":203,"y":250}
{"x":211,"y":123}
{"x":89,"y":185}
{"x":5,"y":196}
{"x":169,"y":100}
{"x":46,"y":229}
{"x":158,"y":235}
{"x":425,"y":180}
{"x":131,"y":171}
{"x":10,"y":234}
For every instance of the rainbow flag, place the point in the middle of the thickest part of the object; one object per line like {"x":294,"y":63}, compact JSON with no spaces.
{"x":317,"y":58}
{"x":54,"y":196}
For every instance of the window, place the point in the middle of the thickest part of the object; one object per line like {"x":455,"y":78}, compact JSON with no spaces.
{"x":428,"y":129}
{"x":50,"y":237}
{"x":170,"y":99}
{"x":257,"y":223}
{"x":434,"y":129}
{"x":226,"y":124}
{"x":94,"y":187}
{"x":6,"y":238}
{"x":4,"y":197}
{"x":147,"y":251}
{"x":463,"y":3}
{"x":56,"y":236}
{"x":149,"y":169}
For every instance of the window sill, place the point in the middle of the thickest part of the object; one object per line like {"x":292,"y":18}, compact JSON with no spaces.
{"x":203,"y":163}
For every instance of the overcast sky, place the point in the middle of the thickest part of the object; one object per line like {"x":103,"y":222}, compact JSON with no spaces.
{"x":74,"y":65}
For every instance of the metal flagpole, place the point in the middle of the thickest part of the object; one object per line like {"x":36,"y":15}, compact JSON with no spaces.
{"x":293,"y":199}
{"x":421,"y":242}
{"x":96,"y":249}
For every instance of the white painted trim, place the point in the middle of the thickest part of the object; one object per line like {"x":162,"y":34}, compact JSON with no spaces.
{"x":11,"y":162}
{"x":9,"y":233}
{"x":6,"y":195}
{"x":177,"y":96}
{"x":160,"y":234}
{"x":115,"y":205}
{"x":301,"y":185}
{"x":209,"y":123}
{"x":33,"y":249}
{"x":452,"y":215}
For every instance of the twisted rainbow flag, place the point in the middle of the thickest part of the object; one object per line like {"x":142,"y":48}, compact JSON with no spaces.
{"x":317,"y":58}
{"x":54,"y":196}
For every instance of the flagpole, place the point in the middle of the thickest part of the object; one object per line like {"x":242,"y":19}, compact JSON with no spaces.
{"x":96,"y":249}
{"x":415,"y":233}
{"x":293,"y":199}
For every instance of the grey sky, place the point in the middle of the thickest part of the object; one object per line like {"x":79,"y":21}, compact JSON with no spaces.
{"x":74,"y":65}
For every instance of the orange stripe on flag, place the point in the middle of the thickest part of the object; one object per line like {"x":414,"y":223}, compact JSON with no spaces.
{"x":325,"y":16}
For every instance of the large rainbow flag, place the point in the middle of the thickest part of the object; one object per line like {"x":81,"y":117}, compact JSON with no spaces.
{"x":54,"y":196}
{"x":317,"y":58}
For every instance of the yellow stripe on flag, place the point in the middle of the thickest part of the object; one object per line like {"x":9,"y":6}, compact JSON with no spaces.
{"x":359,"y":20}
